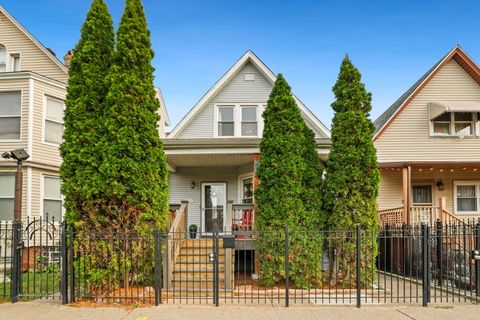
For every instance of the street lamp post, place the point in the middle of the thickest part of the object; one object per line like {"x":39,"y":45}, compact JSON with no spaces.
{"x":20,"y":155}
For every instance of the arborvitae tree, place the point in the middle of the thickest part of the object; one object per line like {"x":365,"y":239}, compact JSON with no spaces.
{"x":134,"y":166}
{"x":280,"y":195}
{"x":352,"y":171}
{"x":312,"y":182}
{"x":86,"y":92}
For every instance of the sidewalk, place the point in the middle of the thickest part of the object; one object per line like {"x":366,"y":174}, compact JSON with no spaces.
{"x":54,"y":311}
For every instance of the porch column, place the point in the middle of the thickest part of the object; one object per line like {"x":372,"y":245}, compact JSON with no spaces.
{"x":229,"y":216}
{"x":407,"y":185}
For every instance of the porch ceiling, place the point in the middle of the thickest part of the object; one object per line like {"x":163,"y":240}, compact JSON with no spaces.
{"x":208,"y":160}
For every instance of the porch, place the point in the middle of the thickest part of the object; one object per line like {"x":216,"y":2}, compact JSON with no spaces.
{"x":416,"y":193}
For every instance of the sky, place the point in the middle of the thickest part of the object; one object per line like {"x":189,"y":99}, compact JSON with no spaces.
{"x":392,"y":43}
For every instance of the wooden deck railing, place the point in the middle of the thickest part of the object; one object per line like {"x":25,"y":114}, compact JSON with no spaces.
{"x":418,"y":215}
{"x":174,"y":240}
{"x":391,"y":217}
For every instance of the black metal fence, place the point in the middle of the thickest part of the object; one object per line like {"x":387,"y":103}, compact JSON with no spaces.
{"x":402,"y":264}
{"x":30,"y":259}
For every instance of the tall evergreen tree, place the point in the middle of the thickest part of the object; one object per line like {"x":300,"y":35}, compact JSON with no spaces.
{"x":86,"y":92}
{"x":312,"y":182}
{"x":281,"y":194}
{"x":352,"y":171}
{"x":134,"y":166}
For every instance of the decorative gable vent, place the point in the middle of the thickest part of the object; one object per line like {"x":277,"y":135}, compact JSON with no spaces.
{"x":249,"y":76}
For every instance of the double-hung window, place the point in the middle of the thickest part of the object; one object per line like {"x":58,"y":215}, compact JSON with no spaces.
{"x":52,"y":198}
{"x":10,"y":109}
{"x":53,"y":120}
{"x":226,"y":123}
{"x":249,"y":121}
{"x":238,"y":120}
{"x":7,"y":196}
{"x":467,"y":197}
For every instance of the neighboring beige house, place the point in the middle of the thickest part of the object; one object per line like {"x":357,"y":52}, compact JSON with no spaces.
{"x":213,"y":151}
{"x":428,"y":146}
{"x":32,"y":93}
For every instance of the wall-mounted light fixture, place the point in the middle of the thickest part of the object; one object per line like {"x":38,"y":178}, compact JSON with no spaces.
{"x":193,"y":184}
{"x":440,"y":185}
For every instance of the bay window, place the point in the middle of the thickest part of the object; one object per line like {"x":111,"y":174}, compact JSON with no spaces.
{"x":7,"y":196}
{"x":10,"y":109}
{"x":53,"y":120}
{"x":52,"y":198}
{"x":3,"y":58}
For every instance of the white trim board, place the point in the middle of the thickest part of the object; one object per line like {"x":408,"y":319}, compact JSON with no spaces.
{"x":249,"y":56}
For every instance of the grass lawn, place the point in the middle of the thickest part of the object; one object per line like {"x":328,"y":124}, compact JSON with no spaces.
{"x":35,"y":284}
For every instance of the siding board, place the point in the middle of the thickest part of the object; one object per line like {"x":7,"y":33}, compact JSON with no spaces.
{"x":31,"y":57}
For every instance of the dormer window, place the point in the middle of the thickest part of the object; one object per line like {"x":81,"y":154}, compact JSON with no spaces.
{"x":238,"y":120}
{"x":3,"y":58}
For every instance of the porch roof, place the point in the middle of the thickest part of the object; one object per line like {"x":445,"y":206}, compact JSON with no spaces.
{"x":431,"y":165}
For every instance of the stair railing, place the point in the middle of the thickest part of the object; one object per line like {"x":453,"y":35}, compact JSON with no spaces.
{"x":174,"y":241}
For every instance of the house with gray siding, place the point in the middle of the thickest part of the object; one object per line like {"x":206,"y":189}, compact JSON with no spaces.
{"x":213,"y":151}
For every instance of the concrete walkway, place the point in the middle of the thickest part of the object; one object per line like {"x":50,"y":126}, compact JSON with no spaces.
{"x":52,"y":311}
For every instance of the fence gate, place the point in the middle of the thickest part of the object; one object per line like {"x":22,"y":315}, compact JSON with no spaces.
{"x":30,"y":260}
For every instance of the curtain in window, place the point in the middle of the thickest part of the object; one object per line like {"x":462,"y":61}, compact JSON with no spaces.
{"x":422,"y":194}
{"x":466,"y":198}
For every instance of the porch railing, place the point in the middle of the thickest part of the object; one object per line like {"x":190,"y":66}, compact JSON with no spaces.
{"x":176,"y":236}
{"x":418,"y":215}
{"x":242,"y":220}
{"x":391,"y":217}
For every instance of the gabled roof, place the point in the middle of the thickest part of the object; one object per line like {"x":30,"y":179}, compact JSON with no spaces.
{"x":33,"y":39}
{"x":163,"y":107}
{"x":249,"y":56}
{"x":457,"y":54}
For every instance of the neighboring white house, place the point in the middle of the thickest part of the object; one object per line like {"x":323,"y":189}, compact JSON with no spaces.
{"x":212,"y":152}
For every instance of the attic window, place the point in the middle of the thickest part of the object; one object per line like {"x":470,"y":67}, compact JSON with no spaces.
{"x":249,"y":76}
{"x":3,"y":58}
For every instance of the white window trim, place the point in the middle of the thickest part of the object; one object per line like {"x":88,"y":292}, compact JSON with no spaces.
{"x":242,"y":177}
{"x":6,"y":173}
{"x":10,"y":60}
{"x":44,"y":119}
{"x":474,"y":123}
{"x":466,"y":183}
{"x":237,"y":118}
{"x":424,"y":183}
{"x":42,"y":194}
{"x":11,"y":116}
{"x":7,"y":57}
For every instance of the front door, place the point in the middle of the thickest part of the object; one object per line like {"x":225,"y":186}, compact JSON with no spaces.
{"x":214,"y":204}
